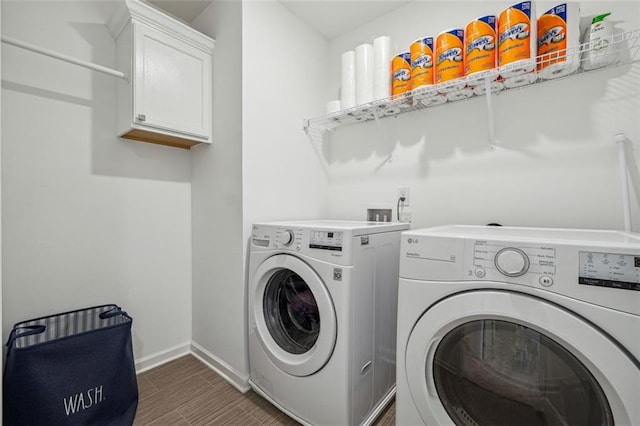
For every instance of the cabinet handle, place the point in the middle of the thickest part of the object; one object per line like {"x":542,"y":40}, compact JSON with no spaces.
{"x":142,"y":117}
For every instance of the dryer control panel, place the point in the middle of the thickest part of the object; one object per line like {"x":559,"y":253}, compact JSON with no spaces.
{"x":592,"y":274}
{"x":512,"y":261}
{"x":535,"y":263}
{"x":326,"y":240}
{"x":600,"y":267}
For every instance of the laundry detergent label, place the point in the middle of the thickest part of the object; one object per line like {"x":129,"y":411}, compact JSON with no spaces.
{"x":401,"y":73}
{"x":422,"y":62}
{"x":514,"y":32}
{"x":552,"y":36}
{"x":449,"y":55}
{"x":480,"y":45}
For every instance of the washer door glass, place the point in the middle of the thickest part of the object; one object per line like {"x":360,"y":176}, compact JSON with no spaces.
{"x":291,"y":312}
{"x":494,"y":372}
{"x":293,"y":317}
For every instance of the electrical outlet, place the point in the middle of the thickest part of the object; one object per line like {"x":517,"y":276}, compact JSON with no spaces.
{"x":403,"y":191}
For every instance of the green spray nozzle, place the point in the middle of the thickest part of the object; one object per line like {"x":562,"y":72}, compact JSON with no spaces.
{"x":599,"y":18}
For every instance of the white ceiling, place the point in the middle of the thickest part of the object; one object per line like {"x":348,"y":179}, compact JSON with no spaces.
{"x":332,"y":18}
{"x":329,"y":18}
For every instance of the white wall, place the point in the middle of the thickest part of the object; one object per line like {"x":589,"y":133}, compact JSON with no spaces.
{"x":269,"y":73}
{"x":284,"y":75}
{"x":87,"y":218}
{"x":555,"y":164}
{"x":219,"y":319}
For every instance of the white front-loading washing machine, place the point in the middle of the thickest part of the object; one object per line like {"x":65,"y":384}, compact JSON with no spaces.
{"x":322,"y":318}
{"x":518,"y":326}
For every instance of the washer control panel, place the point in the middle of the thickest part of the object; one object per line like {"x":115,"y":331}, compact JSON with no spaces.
{"x":613,"y":270}
{"x":329,"y":245}
{"x":277,"y":238}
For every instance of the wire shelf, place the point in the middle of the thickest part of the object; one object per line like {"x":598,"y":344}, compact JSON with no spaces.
{"x":622,"y":49}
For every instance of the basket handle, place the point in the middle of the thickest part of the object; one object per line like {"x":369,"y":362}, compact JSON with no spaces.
{"x":113,"y":312}
{"x":29,"y":330}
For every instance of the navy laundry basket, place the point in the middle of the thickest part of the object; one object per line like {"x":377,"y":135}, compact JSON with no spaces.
{"x":74,"y":368}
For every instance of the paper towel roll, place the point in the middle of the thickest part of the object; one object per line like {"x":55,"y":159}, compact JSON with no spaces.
{"x":451,"y":86}
{"x":496,"y":86}
{"x":449,"y":59}
{"x":364,"y":73}
{"x":424,"y":92}
{"x":333,"y":106}
{"x":380,"y":108}
{"x":337,"y":120}
{"x":517,"y":41}
{"x":381,"y":67}
{"x":365,"y":110}
{"x":480,"y":47}
{"x":520,"y":80}
{"x":434,"y":100}
{"x":354,"y":114}
{"x":403,"y":103}
{"x":401,"y":75}
{"x":422,"y":63}
{"x":474,"y":81}
{"x":392,"y":110}
{"x":558,"y":40}
{"x":460,"y":94}
{"x":348,"y":80}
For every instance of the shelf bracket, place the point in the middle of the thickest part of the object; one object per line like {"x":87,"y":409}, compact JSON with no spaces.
{"x":316,"y":137}
{"x":490,"y":122}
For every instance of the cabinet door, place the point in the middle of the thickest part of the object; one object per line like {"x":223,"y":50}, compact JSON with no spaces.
{"x":173,"y":84}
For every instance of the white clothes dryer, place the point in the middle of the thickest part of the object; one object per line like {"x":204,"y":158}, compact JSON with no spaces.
{"x":518,"y":326}
{"x":322,"y":318}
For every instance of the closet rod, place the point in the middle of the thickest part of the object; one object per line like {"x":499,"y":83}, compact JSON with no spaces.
{"x":60,"y":56}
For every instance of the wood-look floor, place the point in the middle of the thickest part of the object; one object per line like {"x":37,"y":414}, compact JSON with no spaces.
{"x":186,"y":392}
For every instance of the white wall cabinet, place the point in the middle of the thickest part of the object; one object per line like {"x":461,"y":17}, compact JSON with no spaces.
{"x":166,"y":98}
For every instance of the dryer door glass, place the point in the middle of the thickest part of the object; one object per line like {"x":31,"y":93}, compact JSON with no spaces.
{"x":291,"y":312}
{"x":493,"y":372}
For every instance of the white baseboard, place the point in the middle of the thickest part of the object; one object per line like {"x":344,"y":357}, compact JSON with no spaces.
{"x":230,"y":374}
{"x":159,"y":358}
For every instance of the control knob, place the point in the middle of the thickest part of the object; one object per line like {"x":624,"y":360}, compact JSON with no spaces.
{"x":286,"y":237}
{"x":512,"y":262}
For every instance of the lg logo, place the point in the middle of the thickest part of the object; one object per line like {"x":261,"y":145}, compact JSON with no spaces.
{"x":413,"y":240}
